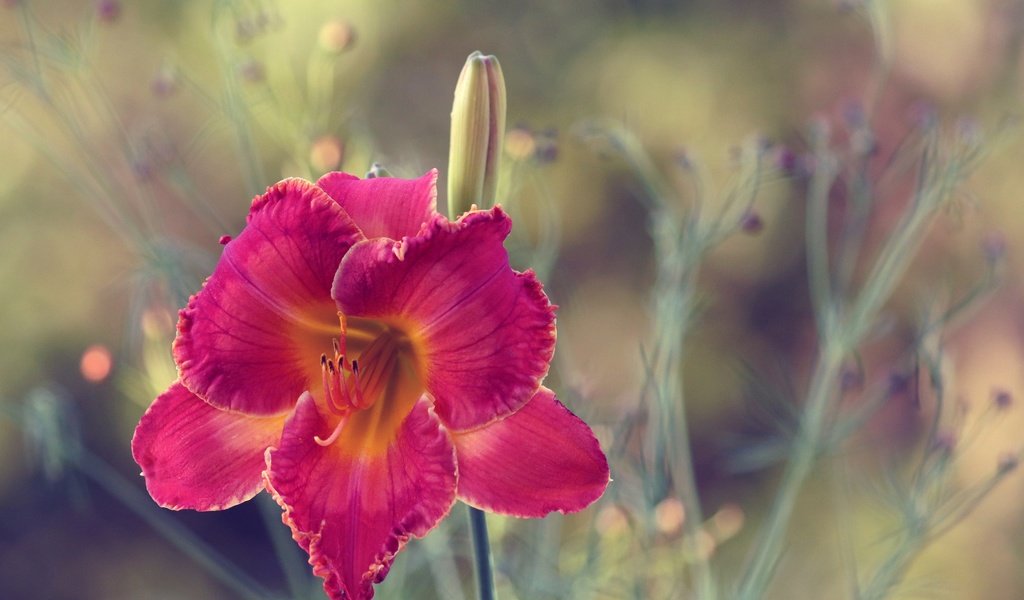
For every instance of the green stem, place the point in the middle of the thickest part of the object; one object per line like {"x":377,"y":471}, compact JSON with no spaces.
{"x":291,"y":561}
{"x":804,"y":453}
{"x":482,"y":554}
{"x":677,"y":248}
{"x":186,"y":541}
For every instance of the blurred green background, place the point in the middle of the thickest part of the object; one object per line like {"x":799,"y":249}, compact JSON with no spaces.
{"x":134,"y":134}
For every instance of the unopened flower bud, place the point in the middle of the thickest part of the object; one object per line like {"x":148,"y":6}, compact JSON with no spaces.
{"x":751,"y":222}
{"x":478,"y":127}
{"x":1002,"y":399}
{"x":994,"y":247}
{"x":945,"y":442}
{"x":377,"y":170}
{"x":853,"y":113}
{"x":252,"y":71}
{"x":165,"y":83}
{"x":1008,"y":462}
{"x":108,"y":11}
{"x":899,"y":383}
{"x":851,"y":378}
{"x":785,"y":160}
{"x":547,"y":147}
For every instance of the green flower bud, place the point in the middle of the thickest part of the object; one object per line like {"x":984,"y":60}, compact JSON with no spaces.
{"x":478,"y":128}
{"x":377,"y":170}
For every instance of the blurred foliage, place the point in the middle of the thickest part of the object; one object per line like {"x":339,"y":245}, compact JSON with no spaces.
{"x":134,"y":138}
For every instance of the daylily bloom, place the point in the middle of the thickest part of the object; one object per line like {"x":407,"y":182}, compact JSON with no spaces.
{"x":369,"y":362}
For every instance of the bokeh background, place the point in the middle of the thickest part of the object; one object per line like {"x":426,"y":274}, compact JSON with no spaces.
{"x":134,"y":134}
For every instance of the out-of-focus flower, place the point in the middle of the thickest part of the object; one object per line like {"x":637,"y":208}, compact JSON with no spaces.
{"x":611,"y":520}
{"x":369,"y":361}
{"x":727,"y":522}
{"x":478,"y":130}
{"x":325,"y":153}
{"x":669,"y":515}
{"x":336,"y":36}
{"x":520,"y":143}
{"x":96,"y":363}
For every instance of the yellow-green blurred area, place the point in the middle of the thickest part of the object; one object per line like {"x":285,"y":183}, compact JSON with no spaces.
{"x":134,"y":134}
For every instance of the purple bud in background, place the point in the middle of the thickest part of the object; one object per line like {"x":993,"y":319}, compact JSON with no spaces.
{"x":251,"y":71}
{"x":1008,"y":462}
{"x":994,"y":247}
{"x":165,"y":83}
{"x":1002,"y":399}
{"x":751,"y":222}
{"x":108,"y":11}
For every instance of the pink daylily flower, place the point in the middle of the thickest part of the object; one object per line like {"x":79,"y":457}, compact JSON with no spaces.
{"x":368,"y":362}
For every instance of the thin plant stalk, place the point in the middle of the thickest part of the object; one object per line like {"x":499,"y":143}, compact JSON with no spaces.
{"x":677,"y":252}
{"x":291,"y":562}
{"x":937,"y":179}
{"x":218,"y":566}
{"x":804,"y":453}
{"x":484,"y":564}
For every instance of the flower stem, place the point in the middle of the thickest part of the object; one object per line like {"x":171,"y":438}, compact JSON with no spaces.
{"x":482,"y":554}
{"x":805,"y":451}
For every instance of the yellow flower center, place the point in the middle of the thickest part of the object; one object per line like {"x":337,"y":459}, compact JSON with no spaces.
{"x":369,"y":384}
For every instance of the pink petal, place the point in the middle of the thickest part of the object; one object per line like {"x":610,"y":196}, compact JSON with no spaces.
{"x":194,"y":455}
{"x":251,"y":339}
{"x":486,"y":333}
{"x":541,"y":459}
{"x":353,"y":511}
{"x":385,"y":206}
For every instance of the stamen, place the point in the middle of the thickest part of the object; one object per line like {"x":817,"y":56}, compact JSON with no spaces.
{"x":334,"y":434}
{"x":326,"y":366}
{"x":357,"y":384}
{"x":357,"y":401}
{"x":341,"y":383}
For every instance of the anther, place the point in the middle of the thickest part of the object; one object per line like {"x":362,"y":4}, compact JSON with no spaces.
{"x":357,"y":388}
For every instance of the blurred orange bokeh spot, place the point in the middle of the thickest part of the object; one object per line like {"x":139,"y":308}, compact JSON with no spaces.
{"x":96,"y":363}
